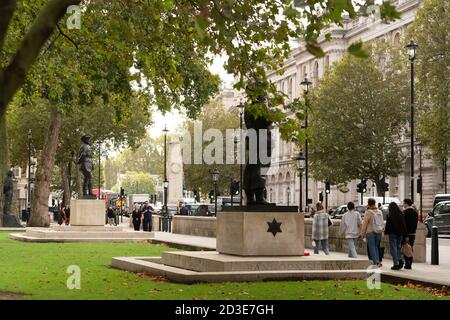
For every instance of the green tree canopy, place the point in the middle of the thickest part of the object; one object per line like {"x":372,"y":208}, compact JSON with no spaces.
{"x":198,"y":176}
{"x":138,"y":182}
{"x":430,"y":30}
{"x":358,"y":116}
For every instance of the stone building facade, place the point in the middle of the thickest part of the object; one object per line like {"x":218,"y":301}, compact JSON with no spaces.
{"x":282,"y":181}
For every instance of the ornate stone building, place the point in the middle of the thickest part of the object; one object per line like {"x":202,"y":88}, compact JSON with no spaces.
{"x":282,"y":181}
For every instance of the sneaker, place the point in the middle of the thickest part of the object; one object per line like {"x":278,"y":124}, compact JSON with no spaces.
{"x":395,"y":267}
{"x":408,"y":267}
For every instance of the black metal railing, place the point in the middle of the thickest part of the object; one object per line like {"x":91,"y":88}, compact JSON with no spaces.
{"x":165,"y":223}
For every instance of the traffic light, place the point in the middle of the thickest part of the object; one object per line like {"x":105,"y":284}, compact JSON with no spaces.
{"x":327,"y":187}
{"x":384,"y":186}
{"x":362,"y":187}
{"x":234,"y":187}
{"x":122,"y":192}
{"x":419,"y":184}
{"x":211,"y":194}
{"x":321,"y":196}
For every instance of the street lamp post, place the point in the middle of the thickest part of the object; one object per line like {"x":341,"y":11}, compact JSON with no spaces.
{"x":29,"y":169}
{"x":411,"y":48}
{"x":166,"y":182}
{"x":215,"y":176}
{"x":241,"y":117}
{"x":305,"y":84}
{"x":99,"y":168}
{"x":421,"y":181}
{"x":301,"y":162}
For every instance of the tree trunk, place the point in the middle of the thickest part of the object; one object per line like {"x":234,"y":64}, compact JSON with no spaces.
{"x":3,"y":155}
{"x":78,"y":182}
{"x":65,"y":182}
{"x":39,"y":208}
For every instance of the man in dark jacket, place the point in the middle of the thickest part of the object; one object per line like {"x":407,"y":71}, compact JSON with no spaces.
{"x":411,"y":220}
{"x":147,"y":211}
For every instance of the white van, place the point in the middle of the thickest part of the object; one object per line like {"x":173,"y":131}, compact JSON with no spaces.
{"x":378,"y":200}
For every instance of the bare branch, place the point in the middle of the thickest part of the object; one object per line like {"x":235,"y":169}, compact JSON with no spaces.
{"x":66,"y":36}
{"x":13,"y":76}
{"x":7,"y":8}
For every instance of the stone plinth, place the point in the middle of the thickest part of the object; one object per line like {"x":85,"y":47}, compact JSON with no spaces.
{"x":207,"y":266}
{"x":87,"y":212}
{"x":194,"y":226}
{"x":249,"y":233}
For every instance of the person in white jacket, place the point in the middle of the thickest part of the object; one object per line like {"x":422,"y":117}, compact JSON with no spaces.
{"x":350,"y":228}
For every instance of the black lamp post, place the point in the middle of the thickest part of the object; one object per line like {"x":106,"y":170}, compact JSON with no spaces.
{"x":29,"y":169}
{"x":411,"y":47}
{"x":166,"y":182}
{"x":215,"y":176}
{"x":241,"y":117}
{"x":420,"y":184}
{"x":305,"y":84}
{"x":301,"y":162}
{"x":99,"y":168}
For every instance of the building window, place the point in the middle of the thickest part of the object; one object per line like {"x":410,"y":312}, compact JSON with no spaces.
{"x":316,"y":73}
{"x":327,"y":61}
{"x":290,"y":88}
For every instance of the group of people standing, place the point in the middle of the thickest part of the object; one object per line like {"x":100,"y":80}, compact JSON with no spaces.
{"x":400,"y":227}
{"x":142,"y":215}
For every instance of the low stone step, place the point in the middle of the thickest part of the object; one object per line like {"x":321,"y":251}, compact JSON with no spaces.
{"x":211,"y":261}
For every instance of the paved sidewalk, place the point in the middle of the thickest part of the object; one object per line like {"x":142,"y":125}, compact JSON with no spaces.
{"x":422,"y":272}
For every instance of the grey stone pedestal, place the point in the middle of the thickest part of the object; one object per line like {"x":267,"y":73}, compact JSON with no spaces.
{"x":260,"y":233}
{"x":87,"y":212}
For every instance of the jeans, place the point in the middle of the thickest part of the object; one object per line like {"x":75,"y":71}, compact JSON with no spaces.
{"x":395,"y":246}
{"x":352,"y":247}
{"x":324,"y":244}
{"x":409,"y":261}
{"x":373,"y":241}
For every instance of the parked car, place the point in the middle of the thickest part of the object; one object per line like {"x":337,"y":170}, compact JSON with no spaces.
{"x":439,"y":217}
{"x":339,"y":212}
{"x":441,"y":197}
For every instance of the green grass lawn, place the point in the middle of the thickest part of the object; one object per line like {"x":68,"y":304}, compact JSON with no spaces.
{"x":39,"y":271}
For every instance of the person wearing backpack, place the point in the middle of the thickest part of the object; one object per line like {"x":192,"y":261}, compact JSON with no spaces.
{"x":396,"y":230}
{"x":372,"y":230}
{"x":411,"y":220}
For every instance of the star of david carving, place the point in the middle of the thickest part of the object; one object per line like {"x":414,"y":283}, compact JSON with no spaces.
{"x":274,"y":227}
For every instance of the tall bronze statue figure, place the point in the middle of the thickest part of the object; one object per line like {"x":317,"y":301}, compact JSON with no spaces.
{"x":8,"y":189}
{"x":254,"y":173}
{"x":86,"y":165}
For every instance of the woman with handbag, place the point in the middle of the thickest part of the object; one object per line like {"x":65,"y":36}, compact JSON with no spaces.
{"x":396,"y":230}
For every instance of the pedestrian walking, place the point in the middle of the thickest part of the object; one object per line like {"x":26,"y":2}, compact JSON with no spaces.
{"x":147,"y":212}
{"x":372,"y":230}
{"x":350,"y":228}
{"x":111,"y":216}
{"x":136,"y":217}
{"x":396,"y":230}
{"x":411,"y":219}
{"x":321,"y":222}
{"x":67,"y":213}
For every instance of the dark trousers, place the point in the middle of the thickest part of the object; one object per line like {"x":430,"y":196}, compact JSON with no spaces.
{"x":137,"y":225}
{"x":409,"y":261}
{"x":147,"y":225}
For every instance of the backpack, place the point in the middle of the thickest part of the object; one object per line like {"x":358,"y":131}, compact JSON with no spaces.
{"x":378,"y":222}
